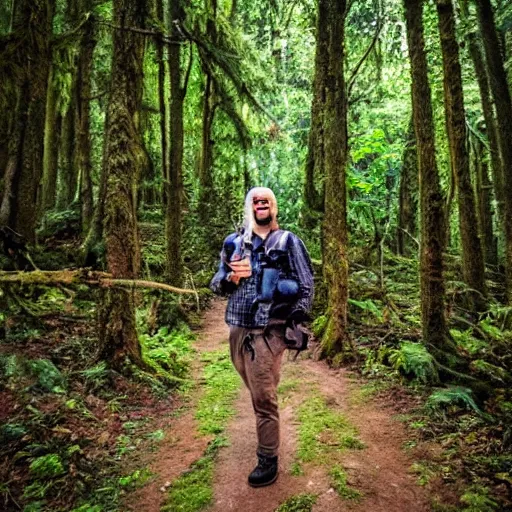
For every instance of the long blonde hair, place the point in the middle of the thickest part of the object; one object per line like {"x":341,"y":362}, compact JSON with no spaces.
{"x":249,"y":221}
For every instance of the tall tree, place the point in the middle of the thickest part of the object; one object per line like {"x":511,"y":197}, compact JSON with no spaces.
{"x":431,"y":197}
{"x":162,"y":69}
{"x":124,"y":158}
{"x":174,"y":182}
{"x":483,"y":189}
{"x":316,"y":151}
{"x":477,"y":57}
{"x":210,"y":104}
{"x":68,"y":176}
{"x":408,"y":196}
{"x":29,"y":48}
{"x":334,"y":128}
{"x":503,"y":102}
{"x":472,"y":255}
{"x":51,"y":146}
{"x":82,"y":115}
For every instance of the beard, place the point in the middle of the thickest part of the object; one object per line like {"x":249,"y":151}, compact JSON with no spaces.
{"x":263,"y":222}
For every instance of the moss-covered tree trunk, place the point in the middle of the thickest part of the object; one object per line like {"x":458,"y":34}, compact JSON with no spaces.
{"x":408,"y":198}
{"x":316,"y":152}
{"x":335,"y":258}
{"x":503,"y":102}
{"x":82,"y":119}
{"x":32,"y":28}
{"x":174,"y":183}
{"x":508,"y":53}
{"x":483,"y":189}
{"x":51,"y":148}
{"x":490,"y":122}
{"x":472,"y":255}
{"x":162,"y":105}
{"x":124,"y":158}
{"x":431,"y":198}
{"x":68,"y":177}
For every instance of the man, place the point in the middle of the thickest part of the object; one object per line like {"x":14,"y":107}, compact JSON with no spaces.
{"x":267,"y":274}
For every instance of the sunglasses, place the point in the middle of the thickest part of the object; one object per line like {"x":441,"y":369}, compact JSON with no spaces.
{"x":261,"y":202}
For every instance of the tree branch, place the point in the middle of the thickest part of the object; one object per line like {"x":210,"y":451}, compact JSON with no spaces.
{"x":187,"y":73}
{"x":353,"y":75}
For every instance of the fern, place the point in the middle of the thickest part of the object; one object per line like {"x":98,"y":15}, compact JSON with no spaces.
{"x":367,"y":305}
{"x":477,"y":499}
{"x":319,"y":325}
{"x":48,"y":376}
{"x":413,"y":360}
{"x":441,"y":400}
{"x":491,"y":371}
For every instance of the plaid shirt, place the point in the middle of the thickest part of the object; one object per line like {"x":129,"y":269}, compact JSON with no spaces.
{"x":243,"y":308}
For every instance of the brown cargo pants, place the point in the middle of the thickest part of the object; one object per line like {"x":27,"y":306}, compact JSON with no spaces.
{"x":257,"y":359}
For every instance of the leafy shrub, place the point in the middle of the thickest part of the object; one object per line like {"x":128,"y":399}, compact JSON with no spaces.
{"x":169,"y":350}
{"x":413,"y":360}
{"x":48,"y":376}
{"x":492,"y":372}
{"x":466,"y":341}
{"x":96,"y":376}
{"x":319,"y":325}
{"x":47,"y":466}
{"x":367,"y":306}
{"x":11,"y":431}
{"x":59,"y":223}
{"x":9,"y":367}
{"x":14,"y":369}
{"x":443,"y":399}
{"x":477,"y":499}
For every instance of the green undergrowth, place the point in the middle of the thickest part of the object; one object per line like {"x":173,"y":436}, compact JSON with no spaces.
{"x":341,"y":486}
{"x":299,"y":503}
{"x":323,"y":432}
{"x":192,"y":491}
{"x":71,"y":423}
{"x":169,"y":353}
{"x":467,"y":417}
{"x":221,"y":383}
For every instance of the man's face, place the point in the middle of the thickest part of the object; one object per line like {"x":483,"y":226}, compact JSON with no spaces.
{"x":261,"y":210}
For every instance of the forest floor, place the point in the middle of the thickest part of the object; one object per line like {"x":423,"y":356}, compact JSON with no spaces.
{"x":341,"y":447}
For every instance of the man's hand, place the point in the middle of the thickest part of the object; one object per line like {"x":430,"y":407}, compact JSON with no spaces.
{"x":240,"y":269}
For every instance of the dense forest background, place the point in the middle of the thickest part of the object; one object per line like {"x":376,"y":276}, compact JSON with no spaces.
{"x":130,"y":133}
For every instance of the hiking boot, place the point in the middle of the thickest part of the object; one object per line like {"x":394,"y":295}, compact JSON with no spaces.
{"x":265,"y":473}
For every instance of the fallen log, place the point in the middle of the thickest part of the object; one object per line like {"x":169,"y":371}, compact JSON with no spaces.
{"x":84,"y":276}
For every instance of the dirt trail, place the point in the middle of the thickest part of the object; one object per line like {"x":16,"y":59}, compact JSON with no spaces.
{"x":182,"y":444}
{"x":380,"y":471}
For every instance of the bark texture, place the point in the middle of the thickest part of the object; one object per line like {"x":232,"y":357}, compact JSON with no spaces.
{"x":475,"y":51}
{"x":408,"y":198}
{"x":82,"y":120}
{"x":472,"y":255}
{"x":68,"y":177}
{"x":334,"y":121}
{"x":51,"y":148}
{"x":31,"y":52}
{"x":124,"y":159}
{"x":174,"y":182}
{"x":431,"y":199}
{"x":483,"y":189}
{"x":316,"y":151}
{"x":503,"y":102}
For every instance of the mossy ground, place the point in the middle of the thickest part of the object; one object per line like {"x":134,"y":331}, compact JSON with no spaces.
{"x":192,"y":491}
